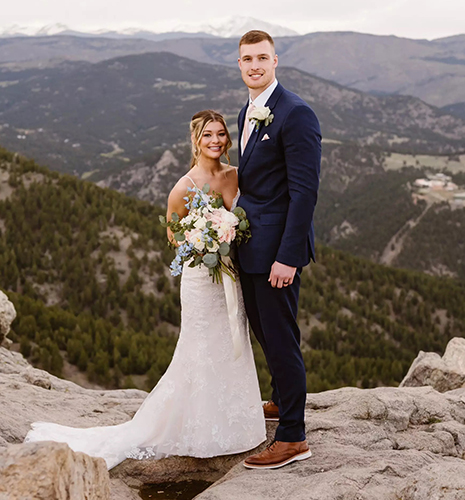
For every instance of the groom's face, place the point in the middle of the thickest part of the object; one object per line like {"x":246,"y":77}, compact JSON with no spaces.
{"x":258,"y":64}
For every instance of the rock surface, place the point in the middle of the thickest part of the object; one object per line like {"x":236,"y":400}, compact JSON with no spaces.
{"x":384,"y":444}
{"x":28,"y":395}
{"x":51,"y":471}
{"x":7,"y":315}
{"x":444,"y":374}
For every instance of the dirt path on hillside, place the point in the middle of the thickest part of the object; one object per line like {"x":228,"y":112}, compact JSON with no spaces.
{"x":396,"y":243}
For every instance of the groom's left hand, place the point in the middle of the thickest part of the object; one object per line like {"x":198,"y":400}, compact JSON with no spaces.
{"x":281,"y":275}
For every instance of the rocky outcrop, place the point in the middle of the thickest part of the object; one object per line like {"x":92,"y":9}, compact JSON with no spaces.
{"x":150,"y":182}
{"x":28,"y":394}
{"x":368,"y":444}
{"x":7,"y":316}
{"x":51,"y":471}
{"x":444,"y":374}
{"x":378,"y":444}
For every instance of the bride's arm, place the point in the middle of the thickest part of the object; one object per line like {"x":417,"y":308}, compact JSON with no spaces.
{"x":177,"y":203}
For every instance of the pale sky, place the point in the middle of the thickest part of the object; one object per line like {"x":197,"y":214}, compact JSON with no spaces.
{"x":409,"y":18}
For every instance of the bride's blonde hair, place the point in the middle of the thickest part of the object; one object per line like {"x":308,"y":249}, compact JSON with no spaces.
{"x":198,"y":124}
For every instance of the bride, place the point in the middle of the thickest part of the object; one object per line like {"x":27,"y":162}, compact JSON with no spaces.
{"x":208,"y":401}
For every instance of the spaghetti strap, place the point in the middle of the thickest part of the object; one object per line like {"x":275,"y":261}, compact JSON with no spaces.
{"x":192,"y":180}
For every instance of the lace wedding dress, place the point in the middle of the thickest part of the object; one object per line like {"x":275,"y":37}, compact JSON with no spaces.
{"x":206,"y":404}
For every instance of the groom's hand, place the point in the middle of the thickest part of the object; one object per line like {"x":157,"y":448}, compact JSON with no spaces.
{"x":281,"y":275}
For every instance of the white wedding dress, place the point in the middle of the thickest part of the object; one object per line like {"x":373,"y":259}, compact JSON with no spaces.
{"x":206,"y":404}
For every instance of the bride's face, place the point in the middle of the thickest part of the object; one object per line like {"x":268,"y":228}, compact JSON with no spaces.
{"x":213,"y":141}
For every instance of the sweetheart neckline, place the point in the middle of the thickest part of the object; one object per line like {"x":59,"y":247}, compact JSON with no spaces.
{"x":234,"y":200}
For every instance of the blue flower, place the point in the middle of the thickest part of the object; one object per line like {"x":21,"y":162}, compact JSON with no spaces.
{"x":205,"y":236}
{"x":176,"y":267}
{"x":184,"y":250}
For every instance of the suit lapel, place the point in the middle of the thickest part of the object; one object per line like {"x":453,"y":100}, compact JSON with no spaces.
{"x":274,"y":97}
{"x":249,"y":147}
{"x":271,"y":103}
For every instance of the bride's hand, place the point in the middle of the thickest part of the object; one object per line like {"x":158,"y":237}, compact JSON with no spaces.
{"x":281,"y":275}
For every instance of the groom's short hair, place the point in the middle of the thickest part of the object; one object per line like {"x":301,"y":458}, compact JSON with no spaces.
{"x":255,"y":36}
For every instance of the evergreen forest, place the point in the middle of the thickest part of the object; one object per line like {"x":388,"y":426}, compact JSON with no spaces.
{"x":87,"y":270}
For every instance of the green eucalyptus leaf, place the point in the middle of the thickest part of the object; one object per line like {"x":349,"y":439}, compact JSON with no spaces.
{"x":210,"y":260}
{"x":239,"y":211}
{"x":224,"y":248}
{"x":175,"y":217}
{"x":242,"y":225}
{"x":206,"y":188}
{"x":179,"y":236}
{"x":197,"y":260}
{"x":208,"y":225}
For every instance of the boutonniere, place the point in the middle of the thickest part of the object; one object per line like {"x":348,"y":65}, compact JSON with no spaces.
{"x":261,"y":114}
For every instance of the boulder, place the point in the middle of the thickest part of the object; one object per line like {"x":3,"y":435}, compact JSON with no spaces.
{"x":121,"y":491}
{"x":444,"y":374}
{"x":7,"y":315}
{"x":137,"y":473}
{"x":51,"y":471}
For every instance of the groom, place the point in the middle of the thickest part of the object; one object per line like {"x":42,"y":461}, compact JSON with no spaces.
{"x":279,"y":165}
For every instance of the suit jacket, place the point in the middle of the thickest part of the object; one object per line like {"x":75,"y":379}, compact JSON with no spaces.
{"x":278,"y":180}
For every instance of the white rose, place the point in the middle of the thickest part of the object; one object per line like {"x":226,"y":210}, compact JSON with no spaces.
{"x":260,"y":113}
{"x":200,"y":223}
{"x":187,"y":219}
{"x":214,"y":248}
{"x":231,"y":219}
{"x":199,"y":245}
{"x":194,"y":237}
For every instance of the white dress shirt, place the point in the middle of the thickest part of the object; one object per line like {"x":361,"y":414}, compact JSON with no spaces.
{"x":259,"y":101}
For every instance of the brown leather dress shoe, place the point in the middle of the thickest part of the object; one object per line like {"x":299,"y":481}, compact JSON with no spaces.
{"x":278,"y":454}
{"x":271,"y":411}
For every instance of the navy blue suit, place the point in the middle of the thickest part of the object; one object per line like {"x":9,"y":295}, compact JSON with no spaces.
{"x":278,"y":180}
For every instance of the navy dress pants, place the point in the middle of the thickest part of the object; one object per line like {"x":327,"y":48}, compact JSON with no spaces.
{"x":272,"y":314}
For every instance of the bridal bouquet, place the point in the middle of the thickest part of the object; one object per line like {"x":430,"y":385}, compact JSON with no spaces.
{"x":205,"y":235}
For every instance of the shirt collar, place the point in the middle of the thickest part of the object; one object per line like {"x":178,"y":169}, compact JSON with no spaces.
{"x":261,"y":99}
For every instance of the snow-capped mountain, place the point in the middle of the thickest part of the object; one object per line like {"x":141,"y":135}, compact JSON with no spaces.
{"x":52,"y":29}
{"x":236,"y":27}
{"x":48,"y":30}
{"x":17,"y":30}
{"x":226,"y":28}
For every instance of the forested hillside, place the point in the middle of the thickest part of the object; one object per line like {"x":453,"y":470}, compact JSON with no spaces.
{"x":373,"y":212}
{"x":364,"y":203}
{"x":87,"y":271}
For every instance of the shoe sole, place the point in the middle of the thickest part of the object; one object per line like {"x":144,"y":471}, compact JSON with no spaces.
{"x":301,"y":456}
{"x":272,"y":419}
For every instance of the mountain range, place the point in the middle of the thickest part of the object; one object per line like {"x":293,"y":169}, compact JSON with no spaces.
{"x":226,"y":28}
{"x":80,"y":117}
{"x":433,"y":70}
{"x":123,"y":121}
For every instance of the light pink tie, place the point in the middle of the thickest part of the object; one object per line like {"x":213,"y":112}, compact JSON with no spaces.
{"x":247,"y":126}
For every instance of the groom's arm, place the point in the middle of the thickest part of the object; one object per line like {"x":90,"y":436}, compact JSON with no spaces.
{"x":301,"y":138}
